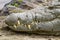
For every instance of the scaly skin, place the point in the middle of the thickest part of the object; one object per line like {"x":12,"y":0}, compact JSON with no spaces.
{"x":40,"y":19}
{"x":4,"y":3}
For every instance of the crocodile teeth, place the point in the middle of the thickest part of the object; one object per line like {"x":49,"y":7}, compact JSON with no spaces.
{"x":32,"y":23}
{"x":25,"y":25}
{"x":29,"y":26}
{"x":18,"y":22}
{"x":15,"y":26}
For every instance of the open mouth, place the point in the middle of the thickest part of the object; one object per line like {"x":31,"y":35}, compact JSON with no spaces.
{"x":29,"y":26}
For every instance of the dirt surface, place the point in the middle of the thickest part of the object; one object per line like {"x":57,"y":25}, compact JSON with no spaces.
{"x":8,"y":34}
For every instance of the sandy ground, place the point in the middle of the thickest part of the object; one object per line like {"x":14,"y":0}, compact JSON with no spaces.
{"x":8,"y":34}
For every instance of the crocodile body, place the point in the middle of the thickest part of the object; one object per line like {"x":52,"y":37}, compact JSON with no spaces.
{"x":3,"y":3}
{"x":40,"y":19}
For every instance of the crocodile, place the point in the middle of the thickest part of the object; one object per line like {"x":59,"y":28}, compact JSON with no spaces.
{"x":40,"y":20}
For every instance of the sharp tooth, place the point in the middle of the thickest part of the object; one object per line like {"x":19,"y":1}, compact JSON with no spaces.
{"x":25,"y":26}
{"x":18,"y":22}
{"x":29,"y":26}
{"x":15,"y":26}
{"x":32,"y":23}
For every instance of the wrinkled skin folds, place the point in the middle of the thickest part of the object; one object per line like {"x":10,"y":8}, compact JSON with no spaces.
{"x":38,"y":19}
